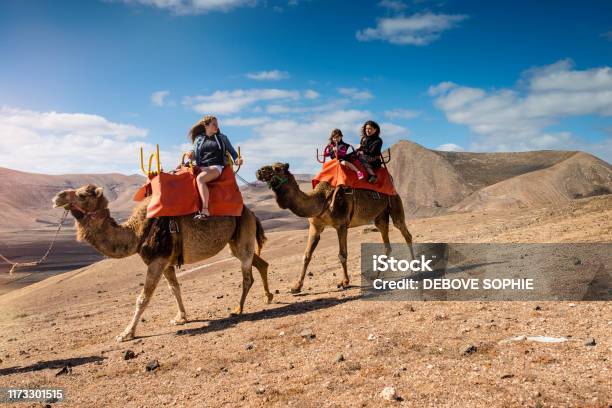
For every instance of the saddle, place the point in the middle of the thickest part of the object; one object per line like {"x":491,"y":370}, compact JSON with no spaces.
{"x":176,"y":193}
{"x":337,"y":175}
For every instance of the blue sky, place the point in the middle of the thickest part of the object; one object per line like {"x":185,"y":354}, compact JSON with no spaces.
{"x":84,"y":83}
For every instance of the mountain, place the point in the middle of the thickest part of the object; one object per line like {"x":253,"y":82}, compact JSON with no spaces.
{"x":434,"y":182}
{"x":25,"y":199}
{"x":430,"y":183}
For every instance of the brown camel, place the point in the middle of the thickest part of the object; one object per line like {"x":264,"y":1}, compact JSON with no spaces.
{"x":334,"y":207}
{"x":159,"y":247}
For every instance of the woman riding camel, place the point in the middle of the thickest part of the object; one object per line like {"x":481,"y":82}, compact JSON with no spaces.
{"x":338,"y":149}
{"x":209,"y":152}
{"x":369,"y":150}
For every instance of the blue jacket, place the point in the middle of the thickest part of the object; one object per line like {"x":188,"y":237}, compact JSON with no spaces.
{"x":223,"y":141}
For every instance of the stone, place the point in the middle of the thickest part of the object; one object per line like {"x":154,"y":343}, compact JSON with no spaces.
{"x":307,"y":334}
{"x":590,"y":342}
{"x":389,"y":394}
{"x":128,"y":355}
{"x":64,"y":371}
{"x":152,"y":365}
{"x":469,"y":349}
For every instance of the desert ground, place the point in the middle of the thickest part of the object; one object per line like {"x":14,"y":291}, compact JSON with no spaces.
{"x":323,"y":347}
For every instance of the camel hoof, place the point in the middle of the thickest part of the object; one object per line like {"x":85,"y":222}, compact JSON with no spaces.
{"x":269,"y":298}
{"x":296,"y":289}
{"x":343,"y":285}
{"x":236,"y":312}
{"x":124,"y":337}
{"x":178,"y":321}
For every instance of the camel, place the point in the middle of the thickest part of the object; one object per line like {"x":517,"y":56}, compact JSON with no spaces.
{"x":159,"y":248}
{"x":327,"y":206}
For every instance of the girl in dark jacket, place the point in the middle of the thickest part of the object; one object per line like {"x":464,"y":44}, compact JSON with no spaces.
{"x":337,"y":148}
{"x":209,"y":147}
{"x":369,"y":150}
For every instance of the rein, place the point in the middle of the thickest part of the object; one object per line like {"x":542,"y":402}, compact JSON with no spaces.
{"x":92,"y":214}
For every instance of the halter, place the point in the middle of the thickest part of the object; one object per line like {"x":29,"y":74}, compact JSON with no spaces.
{"x":92,"y":214}
{"x":280,"y":180}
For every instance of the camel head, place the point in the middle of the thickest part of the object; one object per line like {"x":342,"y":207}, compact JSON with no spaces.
{"x":275,"y":175}
{"x":84,"y":201}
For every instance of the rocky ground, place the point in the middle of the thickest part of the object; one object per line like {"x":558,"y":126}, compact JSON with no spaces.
{"x":324,"y":347}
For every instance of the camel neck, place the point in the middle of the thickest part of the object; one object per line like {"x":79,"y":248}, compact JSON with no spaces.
{"x":108,"y":237}
{"x":301,"y":204}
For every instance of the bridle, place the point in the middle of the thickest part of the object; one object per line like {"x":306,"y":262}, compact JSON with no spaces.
{"x":93,"y":214}
{"x":279,"y":181}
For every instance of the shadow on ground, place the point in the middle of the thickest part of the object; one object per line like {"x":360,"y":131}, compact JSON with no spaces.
{"x":287,"y":310}
{"x":43,"y":365}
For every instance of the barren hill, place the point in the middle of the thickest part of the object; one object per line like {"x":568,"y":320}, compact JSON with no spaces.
{"x":580,"y":175}
{"x":430,"y":182}
{"x":25,"y":201}
{"x":434,"y":182}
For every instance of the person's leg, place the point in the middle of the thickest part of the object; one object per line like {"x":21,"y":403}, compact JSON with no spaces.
{"x":353,"y":168}
{"x":206,"y":174}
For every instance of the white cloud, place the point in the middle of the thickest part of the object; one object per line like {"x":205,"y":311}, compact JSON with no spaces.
{"x":402,"y":114}
{"x":239,"y":121}
{"x":509,"y":119}
{"x":449,"y":147}
{"x":607,"y":35}
{"x":158,"y":98}
{"x":296,"y":140}
{"x":393,"y":5}
{"x":274,"y":75}
{"x":392,"y":130}
{"x":440,"y":88}
{"x":417,"y":29}
{"x":55,"y":143}
{"x":228,"y":102}
{"x":355,"y":93}
{"x":183,"y":7}
{"x":310,"y":94}
{"x":334,"y":105}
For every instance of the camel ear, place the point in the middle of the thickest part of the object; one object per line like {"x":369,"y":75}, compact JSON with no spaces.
{"x":99,"y":191}
{"x":286,"y":166}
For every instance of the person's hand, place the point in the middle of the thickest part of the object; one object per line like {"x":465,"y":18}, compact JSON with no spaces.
{"x":238,"y":161}
{"x":189,"y":155}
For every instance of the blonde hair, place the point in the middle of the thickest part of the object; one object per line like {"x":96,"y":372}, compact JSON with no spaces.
{"x":198,"y":128}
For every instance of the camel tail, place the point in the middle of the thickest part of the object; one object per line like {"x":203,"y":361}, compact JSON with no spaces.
{"x":260,"y":235}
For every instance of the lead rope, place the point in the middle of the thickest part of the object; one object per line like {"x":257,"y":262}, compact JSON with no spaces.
{"x":16,"y":265}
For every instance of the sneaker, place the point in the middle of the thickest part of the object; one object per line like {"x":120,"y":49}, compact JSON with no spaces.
{"x":360,"y":175}
{"x":372,"y":179}
{"x":200,"y":216}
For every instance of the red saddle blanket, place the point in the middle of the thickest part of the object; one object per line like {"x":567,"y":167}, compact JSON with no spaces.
{"x":175,"y":194}
{"x":336,"y":174}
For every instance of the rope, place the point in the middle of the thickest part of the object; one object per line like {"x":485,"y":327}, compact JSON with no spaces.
{"x":16,"y":265}
{"x":244,"y":181}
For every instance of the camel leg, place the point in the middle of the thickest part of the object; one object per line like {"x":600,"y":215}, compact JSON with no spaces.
{"x":382,"y":223}
{"x":399,"y":221}
{"x":262,"y":267}
{"x":175,"y":288}
{"x":314,"y":235}
{"x":245,"y":253}
{"x":154,"y":273}
{"x":342,"y":254}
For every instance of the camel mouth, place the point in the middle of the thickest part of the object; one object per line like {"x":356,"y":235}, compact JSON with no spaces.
{"x":60,"y":202}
